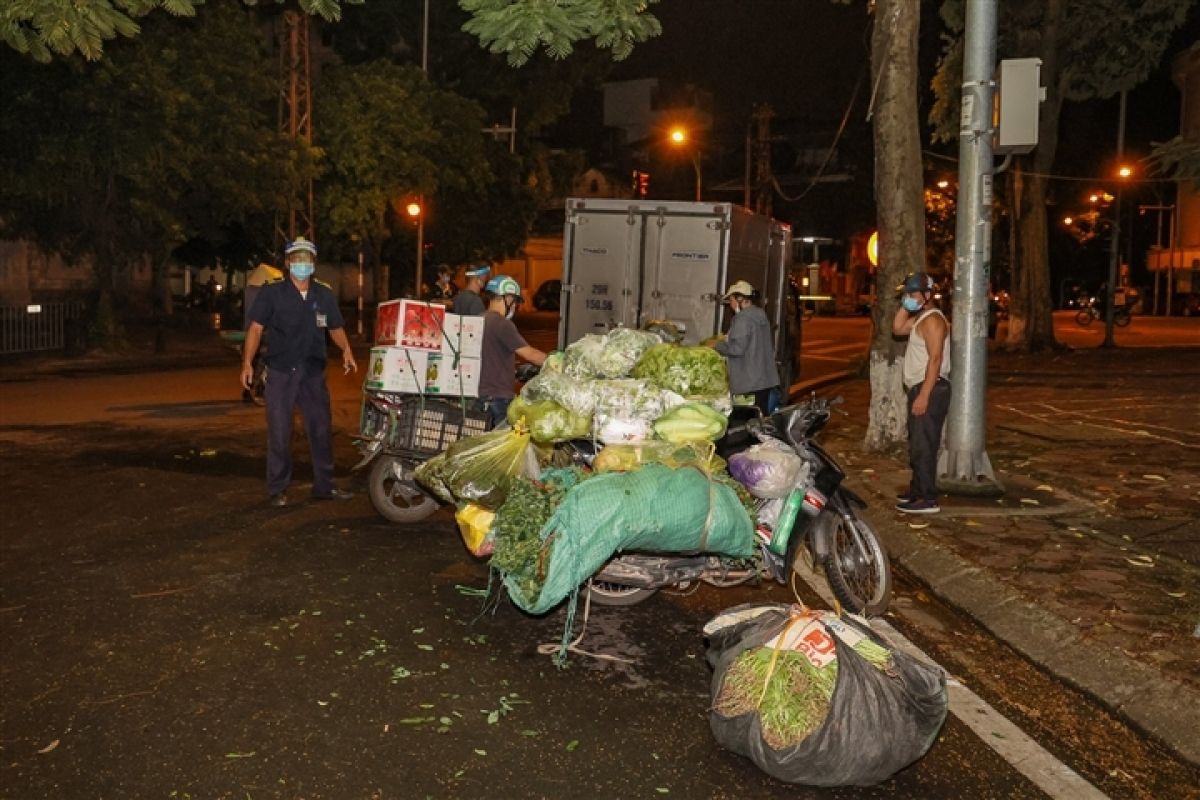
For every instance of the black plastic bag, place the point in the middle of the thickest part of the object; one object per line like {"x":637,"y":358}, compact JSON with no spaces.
{"x":878,"y":723}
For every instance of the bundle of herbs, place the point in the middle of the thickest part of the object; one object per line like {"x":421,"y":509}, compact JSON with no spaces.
{"x":520,"y":551}
{"x":789,"y":693}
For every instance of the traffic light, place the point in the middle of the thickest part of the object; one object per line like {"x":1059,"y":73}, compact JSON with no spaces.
{"x":641,"y":183}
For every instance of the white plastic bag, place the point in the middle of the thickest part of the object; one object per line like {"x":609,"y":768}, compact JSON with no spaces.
{"x":767,"y":470}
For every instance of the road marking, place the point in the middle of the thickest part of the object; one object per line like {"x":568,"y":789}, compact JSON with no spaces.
{"x":1138,"y":432}
{"x":995,"y":730}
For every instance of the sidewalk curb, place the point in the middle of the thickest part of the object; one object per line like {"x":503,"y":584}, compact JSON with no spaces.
{"x":1165,"y":709}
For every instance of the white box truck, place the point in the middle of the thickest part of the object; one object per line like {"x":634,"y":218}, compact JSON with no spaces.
{"x":630,"y":262}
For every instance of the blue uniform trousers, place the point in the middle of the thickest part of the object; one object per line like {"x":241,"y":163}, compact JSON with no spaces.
{"x":302,"y":387}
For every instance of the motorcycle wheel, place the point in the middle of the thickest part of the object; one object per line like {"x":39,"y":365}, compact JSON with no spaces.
{"x":393,"y":493}
{"x":857,"y":566}
{"x":1083,"y":318}
{"x":604,"y":593}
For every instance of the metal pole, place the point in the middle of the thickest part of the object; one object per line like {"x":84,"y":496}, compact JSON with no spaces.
{"x":696,"y":164}
{"x":421,"y":199}
{"x":1170,"y":309}
{"x":1114,"y":253}
{"x":425,"y":40}
{"x":512,"y":132}
{"x":360,"y":289}
{"x":965,"y":465}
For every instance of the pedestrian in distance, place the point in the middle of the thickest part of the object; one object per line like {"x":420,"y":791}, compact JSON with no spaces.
{"x":469,"y":302}
{"x":296,"y":312}
{"x":926,"y":377}
{"x":501,"y":342}
{"x":444,"y":290}
{"x":748,"y":349}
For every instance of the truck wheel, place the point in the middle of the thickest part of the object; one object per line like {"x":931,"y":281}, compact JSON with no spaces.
{"x":394,"y":493}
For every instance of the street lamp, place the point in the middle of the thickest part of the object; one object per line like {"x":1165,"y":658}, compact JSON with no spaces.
{"x":679,"y":138}
{"x":414,"y":211}
{"x":1114,"y":254}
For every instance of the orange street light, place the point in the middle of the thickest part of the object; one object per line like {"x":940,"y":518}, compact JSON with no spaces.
{"x":1068,"y":220}
{"x":943,"y":183}
{"x":1125,"y":171}
{"x":413,"y":209}
{"x":1094,"y":198}
{"x":678,"y":136}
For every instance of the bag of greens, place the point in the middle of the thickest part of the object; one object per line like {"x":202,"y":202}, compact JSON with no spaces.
{"x":479,"y":469}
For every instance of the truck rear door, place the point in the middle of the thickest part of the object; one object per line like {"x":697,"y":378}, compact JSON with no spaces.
{"x":684,"y":258}
{"x":602,"y":258}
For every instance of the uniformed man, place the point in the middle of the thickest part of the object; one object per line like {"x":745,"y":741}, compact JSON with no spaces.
{"x":468,"y":302}
{"x":297,"y":311}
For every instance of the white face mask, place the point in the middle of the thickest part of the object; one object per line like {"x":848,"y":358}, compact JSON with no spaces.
{"x":510,"y":309}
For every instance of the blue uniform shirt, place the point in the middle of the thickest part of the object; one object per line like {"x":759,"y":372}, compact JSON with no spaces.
{"x":296,"y":325}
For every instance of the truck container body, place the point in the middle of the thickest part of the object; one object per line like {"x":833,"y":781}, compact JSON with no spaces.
{"x":627,"y":263}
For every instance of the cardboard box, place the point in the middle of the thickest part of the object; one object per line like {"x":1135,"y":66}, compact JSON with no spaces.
{"x":442,"y":377}
{"x":410,"y":323}
{"x":464,"y":334}
{"x":396,"y":369}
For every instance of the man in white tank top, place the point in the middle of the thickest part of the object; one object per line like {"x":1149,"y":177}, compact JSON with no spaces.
{"x":926,"y":375}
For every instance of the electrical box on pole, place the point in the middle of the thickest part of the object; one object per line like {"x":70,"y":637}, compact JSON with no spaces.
{"x":1019,"y":95}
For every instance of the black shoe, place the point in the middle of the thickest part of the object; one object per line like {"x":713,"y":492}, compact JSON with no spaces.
{"x":918,"y":507}
{"x":334,"y":494}
{"x":278,"y":500}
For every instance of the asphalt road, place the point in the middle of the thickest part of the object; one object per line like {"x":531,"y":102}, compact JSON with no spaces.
{"x":164,"y":634}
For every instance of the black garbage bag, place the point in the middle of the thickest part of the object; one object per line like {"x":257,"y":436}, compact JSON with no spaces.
{"x":878,"y":722}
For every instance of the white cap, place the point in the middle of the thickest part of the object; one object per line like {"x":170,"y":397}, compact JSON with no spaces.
{"x":741,"y":287}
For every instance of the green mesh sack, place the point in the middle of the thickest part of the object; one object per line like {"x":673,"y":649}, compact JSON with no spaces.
{"x":653,"y":509}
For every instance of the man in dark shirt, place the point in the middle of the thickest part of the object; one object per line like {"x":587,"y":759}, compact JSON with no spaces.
{"x":501,"y":341}
{"x":296,"y":312}
{"x":468,"y":302}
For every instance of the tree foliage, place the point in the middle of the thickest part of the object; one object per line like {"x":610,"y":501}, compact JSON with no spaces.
{"x":517,"y":28}
{"x":45,"y":28}
{"x":389,"y":136}
{"x":129,"y":157}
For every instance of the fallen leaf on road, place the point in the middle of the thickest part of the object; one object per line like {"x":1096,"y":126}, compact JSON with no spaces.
{"x":479,"y":752}
{"x":240,"y":755}
{"x":49,"y":747}
{"x":1029,"y":501}
{"x":1153,"y":477}
{"x":868,"y":470}
{"x":1045,"y":487}
{"x":209,"y":453}
{"x":1139,"y":563}
{"x":973,"y":524}
{"x":1176,"y":595}
{"x":572,"y":745}
{"x":916,"y":526}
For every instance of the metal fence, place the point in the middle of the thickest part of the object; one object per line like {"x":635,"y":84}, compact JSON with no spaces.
{"x":39,"y":326}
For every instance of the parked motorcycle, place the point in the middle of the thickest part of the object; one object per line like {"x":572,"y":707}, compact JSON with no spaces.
{"x":397,"y":432}
{"x":1092,"y":310}
{"x":827,"y":533}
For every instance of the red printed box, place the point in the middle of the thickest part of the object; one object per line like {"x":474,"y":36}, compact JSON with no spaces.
{"x":410,"y":323}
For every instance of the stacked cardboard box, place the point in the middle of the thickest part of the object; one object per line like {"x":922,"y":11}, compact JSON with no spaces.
{"x":421,"y":348}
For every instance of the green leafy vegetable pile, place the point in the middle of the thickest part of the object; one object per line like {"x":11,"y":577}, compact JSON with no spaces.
{"x":686,"y":371}
{"x":790,"y":694}
{"x":520,"y":550}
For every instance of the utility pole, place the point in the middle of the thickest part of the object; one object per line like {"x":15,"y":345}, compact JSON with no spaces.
{"x":965,"y":465}
{"x":1114,"y":253}
{"x":295,"y":115}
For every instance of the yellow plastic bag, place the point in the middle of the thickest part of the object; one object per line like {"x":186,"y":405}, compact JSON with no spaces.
{"x":628,"y":457}
{"x":475,"y":525}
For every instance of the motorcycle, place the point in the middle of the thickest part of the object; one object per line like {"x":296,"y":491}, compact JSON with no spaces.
{"x":1093,"y":310}
{"x":827,"y":533}
{"x":397,"y":432}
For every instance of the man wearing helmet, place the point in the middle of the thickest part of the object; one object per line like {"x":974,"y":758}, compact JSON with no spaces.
{"x":926,"y":375}
{"x":501,"y":341}
{"x":297,"y":311}
{"x":468,"y":302}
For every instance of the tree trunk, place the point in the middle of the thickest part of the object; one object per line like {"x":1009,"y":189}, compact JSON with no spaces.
{"x":1031,"y":321}
{"x":900,"y":207}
